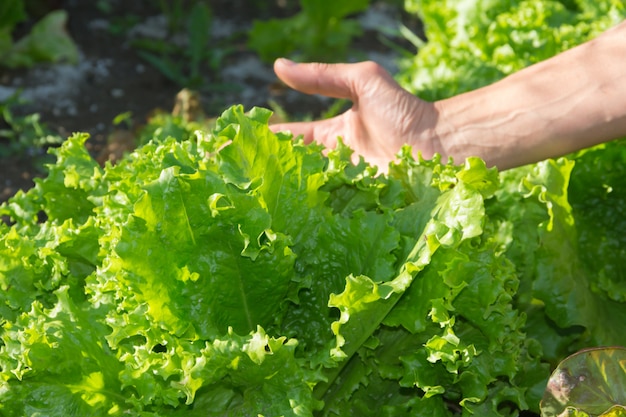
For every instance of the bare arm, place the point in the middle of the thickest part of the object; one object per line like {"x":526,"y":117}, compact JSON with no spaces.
{"x":572,"y":101}
{"x":569,"y":102}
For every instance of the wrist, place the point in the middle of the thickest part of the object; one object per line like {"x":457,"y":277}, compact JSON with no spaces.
{"x":467,"y":127}
{"x":550,"y":109}
{"x":510,"y":123}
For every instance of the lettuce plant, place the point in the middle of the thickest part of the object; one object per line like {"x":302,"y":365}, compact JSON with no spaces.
{"x":24,"y":134}
{"x":320,"y":31}
{"x":47,"y":41}
{"x":560,"y":222}
{"x":472,"y":43}
{"x":241,"y":272}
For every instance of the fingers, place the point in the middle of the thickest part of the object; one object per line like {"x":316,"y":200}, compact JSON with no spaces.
{"x":324,"y":132}
{"x":305,"y":129}
{"x":332,"y":80}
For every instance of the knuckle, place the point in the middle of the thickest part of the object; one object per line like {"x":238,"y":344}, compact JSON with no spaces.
{"x":372,"y":76}
{"x":372,"y":68}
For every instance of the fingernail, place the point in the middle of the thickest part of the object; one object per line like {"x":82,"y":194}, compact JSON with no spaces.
{"x":285,"y":61}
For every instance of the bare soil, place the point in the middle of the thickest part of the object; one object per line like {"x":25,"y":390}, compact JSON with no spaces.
{"x":112,"y":78}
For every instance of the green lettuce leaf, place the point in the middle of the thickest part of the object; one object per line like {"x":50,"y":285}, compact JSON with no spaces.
{"x":552,"y":220}
{"x":48,"y":41}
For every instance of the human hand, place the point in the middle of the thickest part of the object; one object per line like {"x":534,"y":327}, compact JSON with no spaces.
{"x":383,"y":116}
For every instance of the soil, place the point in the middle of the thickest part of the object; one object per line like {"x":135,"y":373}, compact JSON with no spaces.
{"x":112,"y":78}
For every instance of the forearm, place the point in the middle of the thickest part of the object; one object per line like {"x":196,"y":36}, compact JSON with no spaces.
{"x":572,"y":101}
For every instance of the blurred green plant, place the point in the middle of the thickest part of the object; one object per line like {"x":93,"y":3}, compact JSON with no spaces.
{"x":322,"y":30}
{"x":176,"y":12}
{"x":184,"y":65}
{"x":118,"y":23}
{"x":12,"y":12}
{"x":47,"y":41}
{"x":23,"y":135}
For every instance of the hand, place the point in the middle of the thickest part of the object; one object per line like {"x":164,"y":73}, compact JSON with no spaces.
{"x":383,"y":116}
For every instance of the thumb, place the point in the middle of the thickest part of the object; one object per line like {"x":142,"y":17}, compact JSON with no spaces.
{"x":332,"y":80}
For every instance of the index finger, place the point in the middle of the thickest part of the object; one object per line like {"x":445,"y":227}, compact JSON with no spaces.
{"x":324,"y":132}
{"x":331,"y":80}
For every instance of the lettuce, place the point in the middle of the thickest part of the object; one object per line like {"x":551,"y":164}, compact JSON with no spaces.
{"x":473,"y":43}
{"x":238,"y":272}
{"x":244,"y":273}
{"x":570,"y":261}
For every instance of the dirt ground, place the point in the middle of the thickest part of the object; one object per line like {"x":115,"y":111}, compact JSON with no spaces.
{"x":112,"y":78}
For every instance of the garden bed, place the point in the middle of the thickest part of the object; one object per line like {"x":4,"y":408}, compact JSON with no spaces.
{"x":248,"y":273}
{"x":112,"y":78}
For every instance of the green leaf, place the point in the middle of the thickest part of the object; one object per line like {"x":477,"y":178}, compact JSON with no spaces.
{"x":590,"y":382}
{"x":175,"y":212}
{"x":321,"y":31}
{"x":60,"y":372}
{"x":65,"y":193}
{"x":199,"y":36}
{"x":11,"y":13}
{"x":48,"y":41}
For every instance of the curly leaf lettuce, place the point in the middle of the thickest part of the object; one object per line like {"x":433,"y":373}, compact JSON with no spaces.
{"x":243,"y":273}
{"x":473,"y":43}
{"x":556,"y":221}
{"x":559,"y":221}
